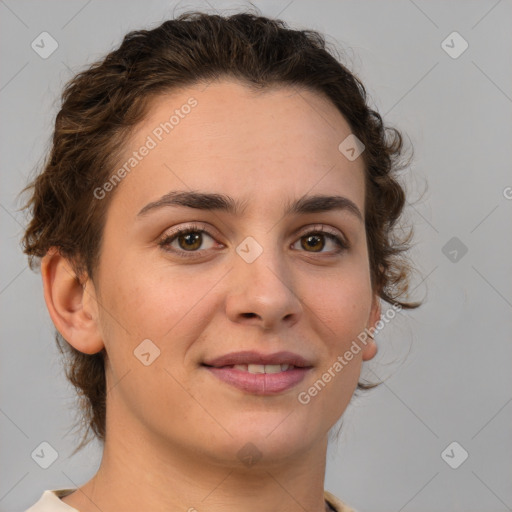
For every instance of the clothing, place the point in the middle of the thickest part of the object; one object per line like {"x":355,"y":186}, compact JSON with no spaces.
{"x":336,"y":503}
{"x":50,"y":502}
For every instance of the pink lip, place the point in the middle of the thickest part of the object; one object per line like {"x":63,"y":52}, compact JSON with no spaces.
{"x":260,"y":383}
{"x":252,"y":357}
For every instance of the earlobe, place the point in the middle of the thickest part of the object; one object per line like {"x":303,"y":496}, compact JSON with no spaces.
{"x":370,"y":349}
{"x":71,"y":304}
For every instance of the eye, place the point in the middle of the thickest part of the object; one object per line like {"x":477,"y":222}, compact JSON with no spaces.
{"x":317,"y":239}
{"x":187,"y":241}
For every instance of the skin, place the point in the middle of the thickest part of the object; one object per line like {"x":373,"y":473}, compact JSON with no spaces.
{"x":173,"y":429}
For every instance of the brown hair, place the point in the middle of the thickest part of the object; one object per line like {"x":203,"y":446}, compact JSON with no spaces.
{"x":100,"y":107}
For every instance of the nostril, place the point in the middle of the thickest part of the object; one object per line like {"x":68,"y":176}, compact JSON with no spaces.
{"x":248,"y":315}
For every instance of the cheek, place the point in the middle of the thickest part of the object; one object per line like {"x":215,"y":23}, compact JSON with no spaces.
{"x":166,"y":305}
{"x":167,"y":308}
{"x":343,"y":307}
{"x":341,"y":314}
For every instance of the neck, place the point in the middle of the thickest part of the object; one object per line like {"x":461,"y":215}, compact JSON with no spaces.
{"x":136,"y":474}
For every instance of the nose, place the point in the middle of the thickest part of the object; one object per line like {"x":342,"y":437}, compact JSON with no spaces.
{"x":262,"y":293}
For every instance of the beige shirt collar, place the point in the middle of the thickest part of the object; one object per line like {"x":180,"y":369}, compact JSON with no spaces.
{"x":50,"y":502}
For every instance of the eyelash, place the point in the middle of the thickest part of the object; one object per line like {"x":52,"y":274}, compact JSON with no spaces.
{"x":195,"y":228}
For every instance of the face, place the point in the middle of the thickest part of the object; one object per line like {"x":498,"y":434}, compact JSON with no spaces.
{"x":253,"y":274}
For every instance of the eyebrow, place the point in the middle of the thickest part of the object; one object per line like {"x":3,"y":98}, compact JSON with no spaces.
{"x":221,"y":202}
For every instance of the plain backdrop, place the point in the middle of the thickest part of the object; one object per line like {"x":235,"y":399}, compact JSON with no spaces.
{"x":446,"y":365}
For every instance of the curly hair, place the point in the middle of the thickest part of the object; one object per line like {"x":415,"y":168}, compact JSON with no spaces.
{"x":101,"y":105}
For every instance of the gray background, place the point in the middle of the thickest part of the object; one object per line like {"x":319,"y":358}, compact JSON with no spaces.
{"x":447,"y":364}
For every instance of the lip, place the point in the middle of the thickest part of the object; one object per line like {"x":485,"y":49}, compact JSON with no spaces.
{"x":253,"y":357}
{"x":259,"y":383}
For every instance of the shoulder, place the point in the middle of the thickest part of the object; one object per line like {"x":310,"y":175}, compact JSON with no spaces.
{"x":336,"y":503}
{"x":50,"y":502}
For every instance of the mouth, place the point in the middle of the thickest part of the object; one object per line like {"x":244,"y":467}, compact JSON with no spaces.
{"x":259,"y":368}
{"x":260,"y":374}
{"x":255,"y":360}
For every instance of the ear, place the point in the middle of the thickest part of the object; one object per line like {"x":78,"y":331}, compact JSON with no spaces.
{"x":370,"y":348}
{"x":72,"y":305}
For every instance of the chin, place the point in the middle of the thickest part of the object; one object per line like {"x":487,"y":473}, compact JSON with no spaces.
{"x":278,"y":436}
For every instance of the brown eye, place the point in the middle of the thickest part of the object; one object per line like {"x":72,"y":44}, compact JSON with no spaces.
{"x":187,"y":242}
{"x":316,"y":241}
{"x":190,"y":241}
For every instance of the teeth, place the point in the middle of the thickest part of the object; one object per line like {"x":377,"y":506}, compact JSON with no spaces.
{"x":272,"y":368}
{"x":262,"y":368}
{"x":256,"y":368}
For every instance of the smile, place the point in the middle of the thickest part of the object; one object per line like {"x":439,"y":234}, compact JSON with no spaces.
{"x":263,"y":368}
{"x":259,"y":379}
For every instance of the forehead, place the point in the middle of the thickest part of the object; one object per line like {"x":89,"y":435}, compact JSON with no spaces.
{"x":225,"y":137}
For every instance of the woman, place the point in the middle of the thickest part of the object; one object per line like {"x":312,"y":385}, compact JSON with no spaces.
{"x":214,"y":225}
